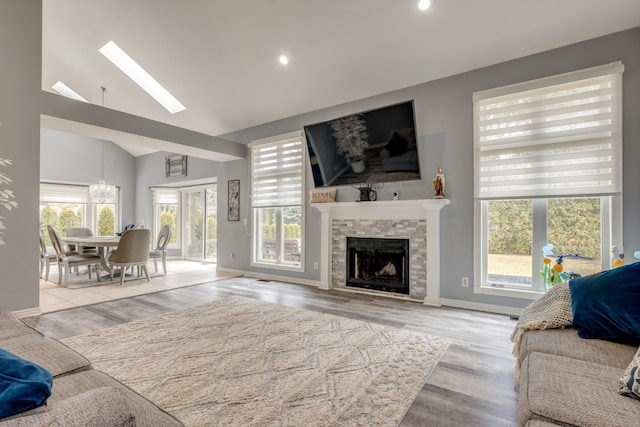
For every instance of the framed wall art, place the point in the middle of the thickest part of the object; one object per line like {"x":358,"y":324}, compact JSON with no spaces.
{"x":233,"y":213}
{"x":175,"y":166}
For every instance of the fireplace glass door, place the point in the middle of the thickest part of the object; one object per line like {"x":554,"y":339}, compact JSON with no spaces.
{"x":378,"y":264}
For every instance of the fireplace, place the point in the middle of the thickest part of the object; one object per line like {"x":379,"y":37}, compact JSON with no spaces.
{"x":416,"y":220}
{"x":378,"y":263}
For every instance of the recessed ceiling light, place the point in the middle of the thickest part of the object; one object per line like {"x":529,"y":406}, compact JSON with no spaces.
{"x":65,"y":90}
{"x":424,"y":4}
{"x":138,"y":74}
{"x":284,"y":59}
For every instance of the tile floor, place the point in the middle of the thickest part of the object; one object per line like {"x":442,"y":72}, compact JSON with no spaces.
{"x":179,"y":274}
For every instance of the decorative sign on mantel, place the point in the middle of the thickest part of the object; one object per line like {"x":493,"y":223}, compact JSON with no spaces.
{"x":323,"y":195}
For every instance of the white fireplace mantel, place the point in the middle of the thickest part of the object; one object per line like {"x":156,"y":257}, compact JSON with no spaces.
{"x":428,"y":209}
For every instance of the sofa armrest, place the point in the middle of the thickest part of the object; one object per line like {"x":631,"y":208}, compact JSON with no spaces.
{"x":100,"y":407}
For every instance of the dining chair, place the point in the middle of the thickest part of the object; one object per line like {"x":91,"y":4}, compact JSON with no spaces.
{"x":160,"y":252}
{"x":79,"y":232}
{"x":46,"y":258}
{"x":132,"y":251}
{"x":67,"y":260}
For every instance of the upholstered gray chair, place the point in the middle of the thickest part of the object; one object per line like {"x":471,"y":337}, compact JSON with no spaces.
{"x":46,"y":258}
{"x":68,"y":260}
{"x":160,"y":252}
{"x":79,"y":232}
{"x":132,"y":251}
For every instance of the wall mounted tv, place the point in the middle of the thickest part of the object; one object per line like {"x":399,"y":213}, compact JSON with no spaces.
{"x":370,"y":147}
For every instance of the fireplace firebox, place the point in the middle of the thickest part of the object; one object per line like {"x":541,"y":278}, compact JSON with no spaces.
{"x":378,"y":264}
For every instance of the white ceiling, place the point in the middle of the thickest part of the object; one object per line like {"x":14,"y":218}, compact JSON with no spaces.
{"x":219,"y":57}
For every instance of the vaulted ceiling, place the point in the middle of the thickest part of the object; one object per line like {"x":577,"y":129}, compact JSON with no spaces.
{"x":219,"y":58}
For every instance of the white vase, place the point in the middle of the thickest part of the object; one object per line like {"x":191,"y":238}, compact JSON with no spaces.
{"x":358,"y":167}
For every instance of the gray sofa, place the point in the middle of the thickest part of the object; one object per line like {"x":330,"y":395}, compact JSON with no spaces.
{"x":570,"y":381}
{"x":81,"y":395}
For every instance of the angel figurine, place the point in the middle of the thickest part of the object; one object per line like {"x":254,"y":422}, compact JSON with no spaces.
{"x":439,"y":184}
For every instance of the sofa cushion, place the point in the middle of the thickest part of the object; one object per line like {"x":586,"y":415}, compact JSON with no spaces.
{"x":539,"y":423}
{"x":146,"y":413}
{"x":567,"y":343}
{"x":47,"y":352}
{"x":11,"y":326}
{"x":604,"y":305}
{"x":23,"y":384}
{"x":100,"y":407}
{"x":574,"y":392}
{"x":630,"y":381}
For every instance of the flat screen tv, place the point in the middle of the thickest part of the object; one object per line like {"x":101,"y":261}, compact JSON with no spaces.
{"x":370,"y":147}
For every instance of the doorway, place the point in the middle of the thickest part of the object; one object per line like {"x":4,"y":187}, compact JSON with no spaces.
{"x":201,"y":224}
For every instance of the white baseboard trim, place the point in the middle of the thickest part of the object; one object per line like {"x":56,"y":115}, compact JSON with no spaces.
{"x":489,"y":308}
{"x":29,"y":312}
{"x":273,"y":277}
{"x":433,"y":302}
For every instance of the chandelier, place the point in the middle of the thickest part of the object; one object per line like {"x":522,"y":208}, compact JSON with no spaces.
{"x":102,"y":192}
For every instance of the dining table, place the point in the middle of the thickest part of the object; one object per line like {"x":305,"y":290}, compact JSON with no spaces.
{"x":101,"y":243}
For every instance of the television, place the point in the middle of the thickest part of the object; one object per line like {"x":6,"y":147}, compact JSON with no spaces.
{"x":365,"y":148}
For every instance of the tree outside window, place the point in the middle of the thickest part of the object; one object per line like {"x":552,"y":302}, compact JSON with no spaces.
{"x":106,"y":221}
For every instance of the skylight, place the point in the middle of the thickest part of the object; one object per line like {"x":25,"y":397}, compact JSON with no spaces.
{"x":65,"y":90}
{"x":136,"y":73}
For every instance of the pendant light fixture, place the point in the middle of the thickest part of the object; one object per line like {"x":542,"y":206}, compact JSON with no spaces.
{"x":102,"y":192}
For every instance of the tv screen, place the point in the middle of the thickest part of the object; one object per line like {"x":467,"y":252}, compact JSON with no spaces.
{"x":370,"y":147}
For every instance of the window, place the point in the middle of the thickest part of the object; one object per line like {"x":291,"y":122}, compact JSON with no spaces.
{"x":66,"y":206}
{"x":277,"y":183}
{"x":548,"y":170}
{"x":166,"y":206}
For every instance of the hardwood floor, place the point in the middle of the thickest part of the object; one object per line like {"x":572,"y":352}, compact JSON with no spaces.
{"x":472,"y":385}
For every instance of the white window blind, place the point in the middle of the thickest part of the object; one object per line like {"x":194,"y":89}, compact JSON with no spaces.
{"x":552,"y":137}
{"x":61,"y":193}
{"x":165,"y":195}
{"x":277,"y":171}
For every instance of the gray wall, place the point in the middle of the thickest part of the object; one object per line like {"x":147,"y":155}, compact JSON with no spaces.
{"x":20,"y":72}
{"x":150,"y":173}
{"x":74,"y":159}
{"x":444,"y":121}
{"x":444,"y":116}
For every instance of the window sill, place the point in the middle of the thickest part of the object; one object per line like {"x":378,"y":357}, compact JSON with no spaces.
{"x":282,"y":267}
{"x":510,"y":293}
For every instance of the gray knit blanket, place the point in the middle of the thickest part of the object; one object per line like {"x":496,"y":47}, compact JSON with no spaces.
{"x":552,"y":310}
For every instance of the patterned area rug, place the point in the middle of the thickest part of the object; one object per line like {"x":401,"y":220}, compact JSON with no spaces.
{"x":238,"y":362}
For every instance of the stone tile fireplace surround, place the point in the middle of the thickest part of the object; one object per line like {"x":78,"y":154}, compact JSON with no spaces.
{"x":416,"y":220}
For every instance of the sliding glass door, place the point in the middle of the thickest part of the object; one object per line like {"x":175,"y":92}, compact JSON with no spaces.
{"x":200,"y":224}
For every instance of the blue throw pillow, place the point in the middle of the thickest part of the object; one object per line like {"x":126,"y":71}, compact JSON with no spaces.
{"x":606,"y":305}
{"x":23,"y":384}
